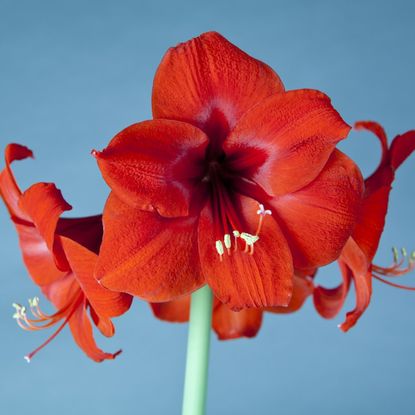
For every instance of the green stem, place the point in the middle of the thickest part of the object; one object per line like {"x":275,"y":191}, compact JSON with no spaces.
{"x":195,"y":383}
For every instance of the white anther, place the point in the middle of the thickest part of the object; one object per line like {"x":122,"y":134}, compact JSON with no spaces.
{"x":27,"y":358}
{"x":34,"y":302}
{"x":219,"y":248}
{"x":249,"y":239}
{"x":20,"y":311}
{"x":395,"y":254}
{"x":227,"y":241}
{"x":404,"y":253}
{"x":262,"y":211}
{"x":236,"y":234}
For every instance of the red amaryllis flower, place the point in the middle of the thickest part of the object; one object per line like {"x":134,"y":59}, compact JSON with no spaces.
{"x":60,"y":255}
{"x":356,"y":259}
{"x":235,"y":183}
{"x":229,"y":324}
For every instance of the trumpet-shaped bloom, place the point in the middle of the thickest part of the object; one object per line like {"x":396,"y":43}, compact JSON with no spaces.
{"x":60,"y":255}
{"x":356,"y":260}
{"x":235,"y":183}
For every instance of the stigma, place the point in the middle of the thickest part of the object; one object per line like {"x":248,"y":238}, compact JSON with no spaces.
{"x":248,"y":240}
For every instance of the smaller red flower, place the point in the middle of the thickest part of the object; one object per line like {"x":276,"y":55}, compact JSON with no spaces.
{"x":60,"y":255}
{"x":356,"y":259}
{"x":229,"y":324}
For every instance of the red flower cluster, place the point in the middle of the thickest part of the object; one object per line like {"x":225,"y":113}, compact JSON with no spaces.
{"x":235,"y":183}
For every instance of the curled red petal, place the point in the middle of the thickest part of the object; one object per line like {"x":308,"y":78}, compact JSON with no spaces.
{"x":9,"y":190}
{"x":380,"y":133}
{"x":371,"y":221}
{"x":156,"y":257}
{"x":401,"y":148}
{"x":284,"y":142}
{"x":154,"y":164}
{"x":354,"y":258}
{"x":81,"y":329}
{"x":318,"y":219}
{"x":329,"y":301}
{"x":210,"y":83}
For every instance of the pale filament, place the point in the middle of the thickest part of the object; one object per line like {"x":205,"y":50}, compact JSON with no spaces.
{"x":33,"y":324}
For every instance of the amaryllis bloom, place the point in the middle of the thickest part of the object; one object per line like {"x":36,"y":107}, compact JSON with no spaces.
{"x":60,"y":255}
{"x":229,"y":324}
{"x":356,"y":260}
{"x":235,"y":183}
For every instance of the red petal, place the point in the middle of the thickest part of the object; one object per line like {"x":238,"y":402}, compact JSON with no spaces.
{"x":318,"y":219}
{"x":371,"y":221}
{"x":154,"y":164}
{"x":176,"y":311}
{"x":210,"y":83}
{"x":329,"y":301}
{"x":9,"y":190}
{"x":39,"y":261}
{"x":81,"y":329}
{"x":230,"y":324}
{"x":284,"y":142}
{"x":104,"y":324}
{"x":379,"y":132}
{"x":303,"y":288}
{"x":401,"y":148}
{"x":62,"y":291}
{"x":44,"y":204}
{"x":356,"y":261}
{"x":106,"y":303}
{"x":156,"y":257}
{"x":241,"y":280}
{"x":37,"y":257}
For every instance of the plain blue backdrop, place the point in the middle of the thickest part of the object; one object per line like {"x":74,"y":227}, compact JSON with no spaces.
{"x":72,"y":74}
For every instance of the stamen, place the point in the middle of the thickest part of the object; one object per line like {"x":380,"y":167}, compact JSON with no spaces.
{"x":20,"y":313}
{"x":395,"y":254}
{"x":398,"y":268}
{"x":65,"y":313}
{"x":227,"y":241}
{"x":219,"y":248}
{"x":249,"y":240}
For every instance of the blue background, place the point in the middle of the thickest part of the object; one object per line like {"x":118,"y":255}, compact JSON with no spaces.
{"x":72,"y":74}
